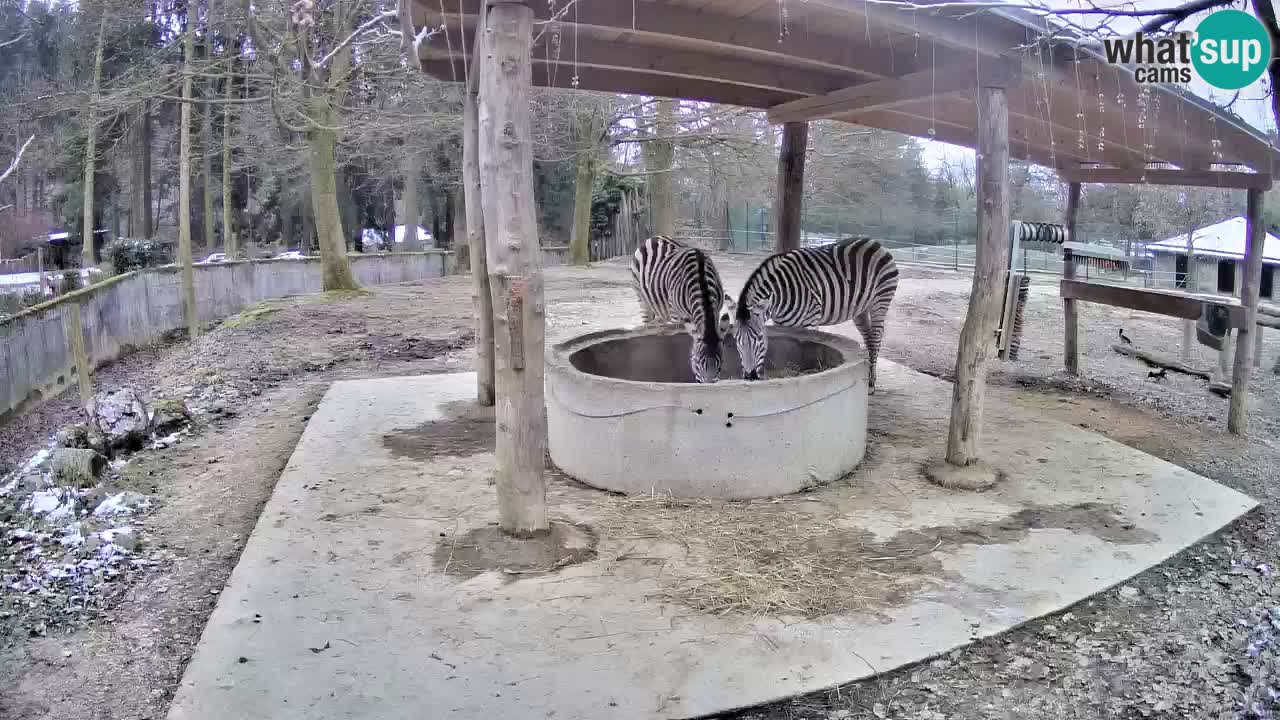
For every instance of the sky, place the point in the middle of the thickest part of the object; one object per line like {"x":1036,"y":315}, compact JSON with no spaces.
{"x":1252,"y":105}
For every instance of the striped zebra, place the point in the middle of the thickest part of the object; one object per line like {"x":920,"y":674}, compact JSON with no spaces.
{"x":678,"y":283}
{"x":854,"y":279}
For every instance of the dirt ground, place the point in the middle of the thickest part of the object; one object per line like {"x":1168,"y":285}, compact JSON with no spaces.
{"x":1189,"y":639}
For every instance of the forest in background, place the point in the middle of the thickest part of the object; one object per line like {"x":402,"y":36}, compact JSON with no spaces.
{"x":305,"y":125}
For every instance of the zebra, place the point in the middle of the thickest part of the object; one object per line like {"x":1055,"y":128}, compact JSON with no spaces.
{"x":675,"y":282}
{"x":854,"y":278}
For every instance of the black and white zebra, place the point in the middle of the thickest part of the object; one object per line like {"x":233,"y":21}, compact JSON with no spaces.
{"x":678,"y":283}
{"x":854,"y":279}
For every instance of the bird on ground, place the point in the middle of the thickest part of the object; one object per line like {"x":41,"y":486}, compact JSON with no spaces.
{"x":1124,"y":339}
{"x":1160,"y":374}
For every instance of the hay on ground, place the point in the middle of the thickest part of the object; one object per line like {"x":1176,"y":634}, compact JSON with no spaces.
{"x":765,"y":557}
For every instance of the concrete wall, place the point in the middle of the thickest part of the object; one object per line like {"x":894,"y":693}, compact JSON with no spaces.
{"x":140,"y":307}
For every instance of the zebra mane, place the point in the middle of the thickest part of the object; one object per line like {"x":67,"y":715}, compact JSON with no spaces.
{"x":744,"y":304}
{"x":710,"y":316}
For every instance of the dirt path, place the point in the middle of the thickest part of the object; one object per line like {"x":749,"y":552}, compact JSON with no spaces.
{"x":1172,"y":644}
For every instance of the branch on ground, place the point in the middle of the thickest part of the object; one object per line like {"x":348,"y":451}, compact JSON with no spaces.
{"x":1155,"y":360}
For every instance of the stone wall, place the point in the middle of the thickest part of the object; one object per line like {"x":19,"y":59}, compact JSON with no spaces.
{"x":138,"y":308}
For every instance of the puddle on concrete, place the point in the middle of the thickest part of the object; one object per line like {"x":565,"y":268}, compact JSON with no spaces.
{"x":1097,"y":519}
{"x":488,"y":548}
{"x":467,"y":430}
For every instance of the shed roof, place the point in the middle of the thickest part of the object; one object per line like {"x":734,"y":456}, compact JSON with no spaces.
{"x":914,"y":72}
{"x":1226,"y":239}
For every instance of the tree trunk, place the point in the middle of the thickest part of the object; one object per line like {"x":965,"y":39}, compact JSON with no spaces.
{"x":206,"y":166}
{"x":482,"y":300}
{"x":140,"y":176}
{"x":409,"y":169}
{"x":789,"y":200}
{"x":977,"y":338}
{"x":88,"y":258}
{"x":1071,"y":324}
{"x":184,"y":186}
{"x":230,"y":238}
{"x":1238,"y":413}
{"x":659,"y":158}
{"x":458,"y":229}
{"x":335,"y":266}
{"x":515,"y":273}
{"x":588,"y":148}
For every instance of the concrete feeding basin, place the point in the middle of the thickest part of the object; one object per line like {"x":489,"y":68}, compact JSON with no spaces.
{"x":623,"y":414}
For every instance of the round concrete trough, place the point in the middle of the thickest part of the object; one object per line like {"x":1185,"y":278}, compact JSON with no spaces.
{"x":623,"y":414}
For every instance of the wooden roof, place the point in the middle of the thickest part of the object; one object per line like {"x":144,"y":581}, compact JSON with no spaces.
{"x":910,"y":72}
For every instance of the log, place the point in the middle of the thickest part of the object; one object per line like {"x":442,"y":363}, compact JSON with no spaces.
{"x":789,"y":202}
{"x":1256,"y":233}
{"x":977,"y":338}
{"x":1071,"y":330}
{"x":514,"y":266}
{"x":77,"y":467}
{"x":481,"y":299}
{"x":1154,"y":360}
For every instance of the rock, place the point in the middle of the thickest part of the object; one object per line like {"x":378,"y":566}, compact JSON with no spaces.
{"x":34,"y":482}
{"x":79,"y":467}
{"x":168,"y":416}
{"x":72,"y":436}
{"x":122,"y":417}
{"x":1129,"y":592}
{"x":82,"y":436}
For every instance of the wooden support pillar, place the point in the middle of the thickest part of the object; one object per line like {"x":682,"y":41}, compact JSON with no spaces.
{"x":1071,"y":329}
{"x":514,"y":264}
{"x":963,"y":467}
{"x":1238,"y":415}
{"x":73,"y":330}
{"x":481,"y":299}
{"x":1257,"y":346}
{"x":788,"y":204}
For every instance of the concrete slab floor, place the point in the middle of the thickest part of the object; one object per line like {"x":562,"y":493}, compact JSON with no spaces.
{"x":350,"y":602}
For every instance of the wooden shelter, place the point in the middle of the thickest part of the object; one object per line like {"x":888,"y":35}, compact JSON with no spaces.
{"x":1008,"y":83}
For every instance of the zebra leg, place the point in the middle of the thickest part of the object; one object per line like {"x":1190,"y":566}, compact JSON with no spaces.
{"x":871,"y":328}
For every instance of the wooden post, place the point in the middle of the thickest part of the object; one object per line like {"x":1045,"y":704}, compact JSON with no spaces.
{"x":1257,"y":346}
{"x":1071,"y":328}
{"x":73,"y":329}
{"x":481,"y":300}
{"x":514,"y":265}
{"x":977,"y":339}
{"x":1238,"y":416}
{"x":788,"y":204}
{"x":1224,"y":359}
{"x":40,"y":266}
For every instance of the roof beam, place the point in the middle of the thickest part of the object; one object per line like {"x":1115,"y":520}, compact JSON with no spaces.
{"x":739,"y":38}
{"x":1187,"y":178}
{"x":634,"y":83}
{"x":897,"y":91}
{"x":590,"y":51}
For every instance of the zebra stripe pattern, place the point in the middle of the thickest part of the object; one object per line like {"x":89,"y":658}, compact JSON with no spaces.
{"x":854,"y":279}
{"x":678,"y":283}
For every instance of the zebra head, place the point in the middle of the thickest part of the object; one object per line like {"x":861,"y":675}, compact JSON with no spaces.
{"x":704,"y":354}
{"x":749,"y":333}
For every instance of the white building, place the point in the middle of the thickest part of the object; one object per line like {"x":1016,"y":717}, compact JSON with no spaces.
{"x":1219,"y":260}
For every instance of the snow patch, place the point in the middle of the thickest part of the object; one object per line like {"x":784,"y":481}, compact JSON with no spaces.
{"x":55,"y":504}
{"x":122,"y":503}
